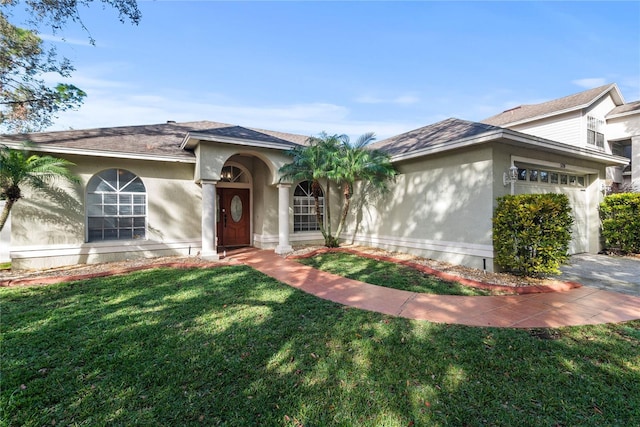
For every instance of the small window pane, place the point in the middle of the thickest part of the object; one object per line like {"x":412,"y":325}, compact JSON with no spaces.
{"x":522,"y":174}
{"x":563,"y":179}
{"x":125,"y":198}
{"x":110,"y":210}
{"x":110,"y":199}
{"x":135,"y":187}
{"x":572,"y":180}
{"x":533,"y":175}
{"x":111,"y":234}
{"x":554,"y":177}
{"x":581,"y":181}
{"x":544,"y":176}
{"x":126,"y":222}
{"x":94,"y":210}
{"x":138,"y":210}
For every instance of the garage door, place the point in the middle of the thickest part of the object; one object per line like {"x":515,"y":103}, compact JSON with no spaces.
{"x":533,"y":180}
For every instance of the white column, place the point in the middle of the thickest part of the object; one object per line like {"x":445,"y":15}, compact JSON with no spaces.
{"x":635,"y":162}
{"x":209,"y":246}
{"x":283,"y":220}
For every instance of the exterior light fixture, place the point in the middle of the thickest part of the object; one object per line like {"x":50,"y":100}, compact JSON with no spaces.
{"x":510,"y":176}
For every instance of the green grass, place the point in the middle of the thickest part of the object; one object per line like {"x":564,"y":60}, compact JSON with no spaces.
{"x":5,"y":265}
{"x":230,"y":346}
{"x":387,"y":274}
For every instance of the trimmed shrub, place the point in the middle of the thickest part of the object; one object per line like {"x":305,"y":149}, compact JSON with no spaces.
{"x":531,"y":233}
{"x":620,"y":215}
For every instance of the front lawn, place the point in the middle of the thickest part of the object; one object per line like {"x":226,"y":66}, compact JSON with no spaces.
{"x":384,"y":273}
{"x":231,"y":346}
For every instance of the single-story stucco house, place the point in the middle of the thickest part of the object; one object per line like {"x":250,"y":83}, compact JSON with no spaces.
{"x":200,"y":188}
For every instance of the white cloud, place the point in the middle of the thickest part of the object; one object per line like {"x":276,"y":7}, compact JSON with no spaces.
{"x":590,"y":83}
{"x":405,"y":99}
{"x":58,"y":39}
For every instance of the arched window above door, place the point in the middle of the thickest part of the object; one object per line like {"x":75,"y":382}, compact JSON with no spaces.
{"x":233,"y":173}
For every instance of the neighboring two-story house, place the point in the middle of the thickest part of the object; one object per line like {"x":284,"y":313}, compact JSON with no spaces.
{"x":596,"y":118}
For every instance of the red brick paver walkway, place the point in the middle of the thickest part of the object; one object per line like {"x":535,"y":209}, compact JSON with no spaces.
{"x":581,"y":306}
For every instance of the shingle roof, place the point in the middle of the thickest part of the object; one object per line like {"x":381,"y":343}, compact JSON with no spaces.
{"x":150,"y":140}
{"x":629,"y":107}
{"x":443,"y":132}
{"x":531,"y":111}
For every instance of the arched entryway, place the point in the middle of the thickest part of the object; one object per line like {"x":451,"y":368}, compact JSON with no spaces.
{"x":234,"y":207}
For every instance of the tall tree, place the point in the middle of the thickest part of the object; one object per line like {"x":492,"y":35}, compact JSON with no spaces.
{"x":19,"y":169}
{"x":27,"y":102}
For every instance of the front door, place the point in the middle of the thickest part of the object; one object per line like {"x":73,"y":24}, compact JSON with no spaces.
{"x":234,"y":221}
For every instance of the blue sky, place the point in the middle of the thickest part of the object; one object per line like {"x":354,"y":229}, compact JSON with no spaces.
{"x":344,"y":67}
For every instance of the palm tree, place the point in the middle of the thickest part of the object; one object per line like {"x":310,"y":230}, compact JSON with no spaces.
{"x":18,"y":168}
{"x":316,"y":162}
{"x":332,"y":159}
{"x":360,"y":163}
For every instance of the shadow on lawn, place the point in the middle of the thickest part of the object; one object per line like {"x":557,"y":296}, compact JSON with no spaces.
{"x":232,"y":346}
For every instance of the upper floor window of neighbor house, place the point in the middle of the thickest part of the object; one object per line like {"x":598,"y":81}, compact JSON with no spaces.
{"x":595,"y":131}
{"x":116,"y":206}
{"x":623,"y":149}
{"x":304,"y":208}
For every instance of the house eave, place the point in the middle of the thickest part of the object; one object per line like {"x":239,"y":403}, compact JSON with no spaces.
{"x":192,"y":139}
{"x":617,"y":97}
{"x":625,"y":114}
{"x":507,"y":135}
{"x":99,"y":153}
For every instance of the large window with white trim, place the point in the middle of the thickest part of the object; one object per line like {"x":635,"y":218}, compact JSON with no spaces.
{"x":116,"y":206}
{"x":304,"y":208}
{"x":595,"y":131}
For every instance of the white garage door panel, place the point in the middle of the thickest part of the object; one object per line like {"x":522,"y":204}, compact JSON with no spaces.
{"x":578,"y":202}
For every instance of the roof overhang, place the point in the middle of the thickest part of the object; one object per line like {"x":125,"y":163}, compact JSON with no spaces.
{"x":96,"y":153}
{"x":192,"y":139}
{"x":613,"y":89}
{"x":520,"y":140}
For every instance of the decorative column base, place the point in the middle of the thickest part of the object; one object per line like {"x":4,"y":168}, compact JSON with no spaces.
{"x":283,"y":249}
{"x":210,"y":256}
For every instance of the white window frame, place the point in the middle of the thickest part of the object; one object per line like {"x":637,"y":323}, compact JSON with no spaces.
{"x":304,"y":207}
{"x":595,"y":132}
{"x":116,"y":209}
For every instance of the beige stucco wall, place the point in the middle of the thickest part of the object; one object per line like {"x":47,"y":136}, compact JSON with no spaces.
{"x":49,"y":229}
{"x":439,"y":207}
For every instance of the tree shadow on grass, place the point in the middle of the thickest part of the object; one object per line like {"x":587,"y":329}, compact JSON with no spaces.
{"x":232,"y":346}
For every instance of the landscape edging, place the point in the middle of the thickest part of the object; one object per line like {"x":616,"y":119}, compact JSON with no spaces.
{"x":553,"y":286}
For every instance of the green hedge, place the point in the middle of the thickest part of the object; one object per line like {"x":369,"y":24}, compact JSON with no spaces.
{"x":620,"y":214}
{"x":531,"y":233}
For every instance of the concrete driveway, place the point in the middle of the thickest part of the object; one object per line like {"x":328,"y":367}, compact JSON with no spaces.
{"x":612,"y":273}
